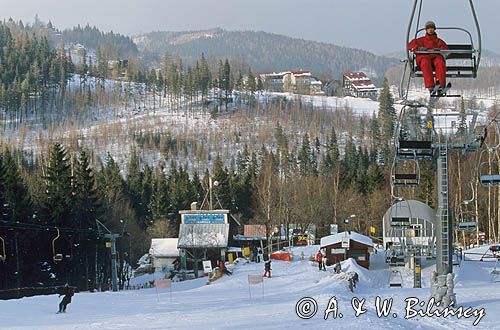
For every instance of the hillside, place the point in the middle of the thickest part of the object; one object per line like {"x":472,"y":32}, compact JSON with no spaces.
{"x":262,"y":51}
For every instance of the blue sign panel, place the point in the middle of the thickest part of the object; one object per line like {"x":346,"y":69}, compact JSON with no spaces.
{"x":204,"y":218}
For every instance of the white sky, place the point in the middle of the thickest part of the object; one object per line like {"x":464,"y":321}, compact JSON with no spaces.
{"x":375,"y":25}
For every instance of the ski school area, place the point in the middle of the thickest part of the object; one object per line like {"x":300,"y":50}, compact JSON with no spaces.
{"x":297,"y":295}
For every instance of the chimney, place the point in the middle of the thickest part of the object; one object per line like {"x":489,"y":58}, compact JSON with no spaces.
{"x":193,"y":206}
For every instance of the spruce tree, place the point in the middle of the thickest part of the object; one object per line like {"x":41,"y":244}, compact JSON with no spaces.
{"x":58,"y":202}
{"x":387,"y":112}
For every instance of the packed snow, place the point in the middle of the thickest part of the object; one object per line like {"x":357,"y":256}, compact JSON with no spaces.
{"x":226,"y":303}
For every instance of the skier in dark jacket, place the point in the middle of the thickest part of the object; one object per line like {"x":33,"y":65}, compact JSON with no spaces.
{"x":429,"y":63}
{"x":70,"y":291}
{"x":267,"y":268}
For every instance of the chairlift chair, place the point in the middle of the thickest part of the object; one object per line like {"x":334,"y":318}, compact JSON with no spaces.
{"x":395,"y":279}
{"x":57,"y":257}
{"x":411,"y":143}
{"x":466,"y":52}
{"x":466,"y":218}
{"x":488,"y":164}
{"x":405,"y":175}
{"x":397,"y":256}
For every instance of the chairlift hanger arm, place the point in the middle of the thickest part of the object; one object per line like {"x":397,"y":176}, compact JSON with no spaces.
{"x":3,"y":256}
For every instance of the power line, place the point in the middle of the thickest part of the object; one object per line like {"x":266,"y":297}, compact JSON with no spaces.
{"x":32,"y":226}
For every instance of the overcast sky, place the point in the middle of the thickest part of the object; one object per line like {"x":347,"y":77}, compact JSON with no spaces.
{"x":375,"y":25}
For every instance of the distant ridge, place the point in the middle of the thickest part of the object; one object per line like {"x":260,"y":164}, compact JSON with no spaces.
{"x":263,"y":51}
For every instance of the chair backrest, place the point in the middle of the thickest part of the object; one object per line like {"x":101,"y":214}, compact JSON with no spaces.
{"x":464,"y":52}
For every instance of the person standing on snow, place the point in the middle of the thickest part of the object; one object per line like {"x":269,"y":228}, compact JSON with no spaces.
{"x":267,"y":268}
{"x":319,"y":259}
{"x":260,"y":256}
{"x":66,"y":299}
{"x":429,"y":63}
{"x":324,"y":260}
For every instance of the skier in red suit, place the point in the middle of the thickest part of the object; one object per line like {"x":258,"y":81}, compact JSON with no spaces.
{"x":429,"y":63}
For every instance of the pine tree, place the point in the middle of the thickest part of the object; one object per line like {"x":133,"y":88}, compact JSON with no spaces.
{"x":331,"y":156}
{"x":251,"y":86}
{"x":58,"y":202}
{"x":16,"y":203}
{"x":387,"y":112}
{"x":306,"y":157}
{"x":159,"y":204}
{"x":222,"y":190}
{"x":87,"y":201}
{"x":462,"y":122}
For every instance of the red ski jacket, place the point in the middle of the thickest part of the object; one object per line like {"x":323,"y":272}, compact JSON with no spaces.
{"x":319,"y":257}
{"x":429,"y":42}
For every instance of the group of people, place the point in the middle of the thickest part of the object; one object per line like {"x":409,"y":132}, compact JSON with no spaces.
{"x":322,"y":260}
{"x":257,"y":254}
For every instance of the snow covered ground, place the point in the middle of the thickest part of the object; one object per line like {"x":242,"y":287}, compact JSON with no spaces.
{"x":225,"y":304}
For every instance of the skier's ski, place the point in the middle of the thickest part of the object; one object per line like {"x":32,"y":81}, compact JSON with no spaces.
{"x":445,"y":89}
{"x":435,"y":90}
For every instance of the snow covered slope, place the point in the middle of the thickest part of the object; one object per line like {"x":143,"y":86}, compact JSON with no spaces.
{"x":225,"y":304}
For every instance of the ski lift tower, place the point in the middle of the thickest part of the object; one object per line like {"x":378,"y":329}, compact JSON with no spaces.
{"x":411,"y":144}
{"x":112,"y":238}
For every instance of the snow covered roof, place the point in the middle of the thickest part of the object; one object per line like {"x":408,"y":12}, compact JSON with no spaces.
{"x":337,"y":238}
{"x":363,"y":83}
{"x":356,"y":76}
{"x":203,"y":235}
{"x":164,"y":247}
{"x":301,"y":73}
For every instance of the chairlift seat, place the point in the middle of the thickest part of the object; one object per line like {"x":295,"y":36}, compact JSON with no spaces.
{"x":400,"y":220}
{"x":396,"y":279}
{"x":58,"y":257}
{"x":469,"y":225}
{"x":454,"y":52}
{"x":405,"y":179}
{"x":405,"y":144}
{"x":490,"y":179}
{"x":422,"y":154}
{"x":405,"y":176}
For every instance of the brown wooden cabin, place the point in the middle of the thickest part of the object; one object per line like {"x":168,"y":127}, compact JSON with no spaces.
{"x":359,"y":248}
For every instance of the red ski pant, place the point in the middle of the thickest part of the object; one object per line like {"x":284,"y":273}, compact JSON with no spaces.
{"x":430,"y":63}
{"x":268,"y":273}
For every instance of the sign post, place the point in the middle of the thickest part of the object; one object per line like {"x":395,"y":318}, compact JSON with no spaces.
{"x":165,"y":283}
{"x":255,"y":279}
{"x":334,"y":229}
{"x":207,"y":266}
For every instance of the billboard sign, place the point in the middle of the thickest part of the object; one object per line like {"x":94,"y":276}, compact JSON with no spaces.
{"x":207,"y":266}
{"x":346,"y":242}
{"x":203,"y":218}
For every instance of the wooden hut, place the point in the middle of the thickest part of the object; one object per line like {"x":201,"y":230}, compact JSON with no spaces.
{"x":348,"y":244}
